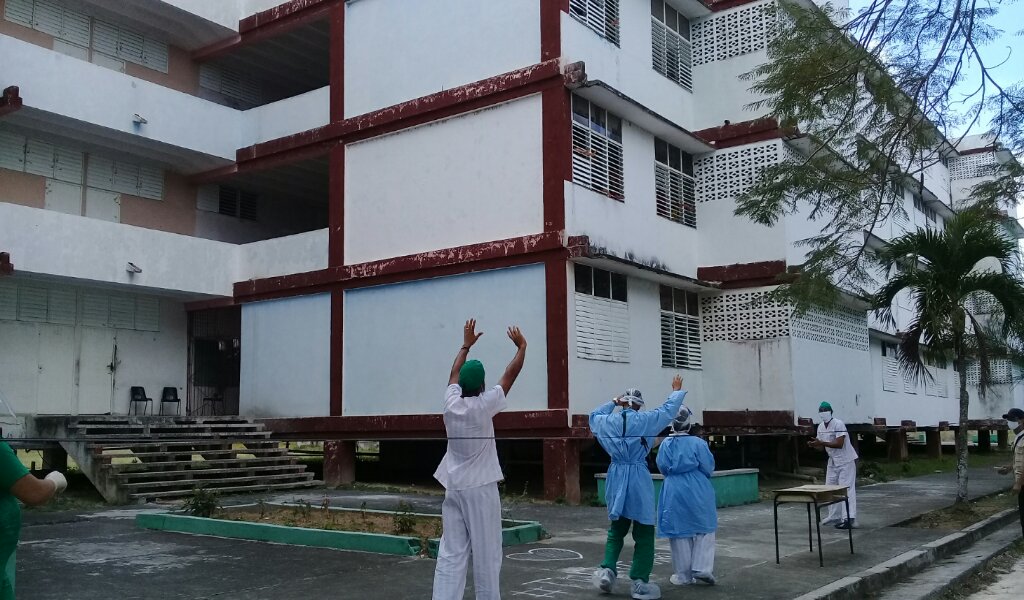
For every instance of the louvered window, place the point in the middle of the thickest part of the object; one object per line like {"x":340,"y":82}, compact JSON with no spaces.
{"x":602,"y":315}
{"x":597,"y":161}
{"x":670,"y":44}
{"x":600,"y":15}
{"x":674,"y":186}
{"x":125,"y":177}
{"x":680,"y":329}
{"x":124,"y":44}
{"x":234,"y":202}
{"x":63,"y":305}
{"x":231,"y":84}
{"x":12,"y":151}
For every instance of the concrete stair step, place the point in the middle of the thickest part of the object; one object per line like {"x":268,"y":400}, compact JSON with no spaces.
{"x":214,"y":482}
{"x":206,"y":454}
{"x":86,"y":430}
{"x":201,"y":474}
{"x":173,"y":435}
{"x":160,"y":445}
{"x":147,"y":419}
{"x":177,"y":466}
{"x":239,"y":489}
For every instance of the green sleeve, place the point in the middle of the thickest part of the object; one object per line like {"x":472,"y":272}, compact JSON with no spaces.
{"x":11,"y":469}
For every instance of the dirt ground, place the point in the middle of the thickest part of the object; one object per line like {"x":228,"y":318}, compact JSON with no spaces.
{"x":957,"y":517}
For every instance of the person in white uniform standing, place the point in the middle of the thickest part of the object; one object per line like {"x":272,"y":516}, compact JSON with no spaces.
{"x":842,"y":465}
{"x":469,"y":472}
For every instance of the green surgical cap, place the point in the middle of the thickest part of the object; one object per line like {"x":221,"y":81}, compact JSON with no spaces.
{"x":824,"y":406}
{"x":471,"y":376}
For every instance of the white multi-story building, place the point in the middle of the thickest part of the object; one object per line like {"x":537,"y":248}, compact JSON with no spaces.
{"x":295,"y":210}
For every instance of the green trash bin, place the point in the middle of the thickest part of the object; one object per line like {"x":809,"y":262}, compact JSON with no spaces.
{"x":733,"y":487}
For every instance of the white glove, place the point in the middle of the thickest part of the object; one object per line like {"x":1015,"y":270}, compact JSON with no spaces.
{"x":58,"y":479}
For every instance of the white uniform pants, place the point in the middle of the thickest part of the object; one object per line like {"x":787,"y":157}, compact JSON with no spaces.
{"x":843,"y":475}
{"x":472,"y":525}
{"x":693,"y":555}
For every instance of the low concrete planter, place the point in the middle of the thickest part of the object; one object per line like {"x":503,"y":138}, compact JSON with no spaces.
{"x":733,"y":487}
{"x":513,"y":532}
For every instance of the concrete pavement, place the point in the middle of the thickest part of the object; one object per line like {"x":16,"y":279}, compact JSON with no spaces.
{"x":89,"y":555}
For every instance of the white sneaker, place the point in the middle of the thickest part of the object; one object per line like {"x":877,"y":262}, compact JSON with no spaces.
{"x":645,"y":591}
{"x":604,"y":579}
{"x":677,"y":580}
{"x":829,"y":521}
{"x":707,"y":578}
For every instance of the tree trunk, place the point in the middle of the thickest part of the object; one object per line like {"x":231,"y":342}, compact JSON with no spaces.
{"x":961,"y":432}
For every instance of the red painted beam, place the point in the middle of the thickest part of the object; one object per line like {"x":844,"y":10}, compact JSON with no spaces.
{"x":981,"y":150}
{"x":10,"y":101}
{"x":720,"y":5}
{"x":742,"y":271}
{"x":748,"y":418}
{"x":520,"y":423}
{"x":747,"y":132}
{"x":410,"y":267}
{"x":268,"y":24}
{"x":6,"y":266}
{"x":458,"y":100}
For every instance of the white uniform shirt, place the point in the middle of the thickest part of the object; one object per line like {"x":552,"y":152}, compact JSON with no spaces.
{"x":1018,"y":454}
{"x":472,"y":457}
{"x":829,"y":433}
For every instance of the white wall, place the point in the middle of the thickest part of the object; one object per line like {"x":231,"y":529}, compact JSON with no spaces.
{"x":297,"y":253}
{"x":899,"y":405}
{"x":286,"y":357}
{"x":465,"y":180}
{"x":43,"y":375}
{"x":427,"y":47}
{"x":727,"y":239}
{"x":749,"y":375}
{"x":824,"y":372}
{"x":628,"y":68}
{"x":633,"y":226}
{"x":52,"y":243}
{"x":55,"y":83}
{"x":721,"y":95}
{"x":401,"y":339}
{"x":288,"y":116}
{"x":594,"y":382}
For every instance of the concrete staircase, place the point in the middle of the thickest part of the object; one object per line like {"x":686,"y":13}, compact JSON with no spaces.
{"x":145,"y":458}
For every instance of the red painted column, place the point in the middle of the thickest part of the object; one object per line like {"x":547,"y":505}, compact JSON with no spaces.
{"x":562,"y":470}
{"x":339,"y":463}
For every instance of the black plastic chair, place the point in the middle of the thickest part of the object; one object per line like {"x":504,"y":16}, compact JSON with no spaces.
{"x":169,"y":396}
{"x":138,"y":394}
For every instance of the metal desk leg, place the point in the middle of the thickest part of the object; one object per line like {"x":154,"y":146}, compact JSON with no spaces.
{"x":849,"y":529}
{"x":775,"y":506}
{"x":817,"y":524}
{"x":810,"y":530}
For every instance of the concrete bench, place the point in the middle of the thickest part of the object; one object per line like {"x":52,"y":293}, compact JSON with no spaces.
{"x":733,"y":487}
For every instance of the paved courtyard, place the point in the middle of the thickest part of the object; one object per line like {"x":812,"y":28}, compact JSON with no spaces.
{"x":102,"y":555}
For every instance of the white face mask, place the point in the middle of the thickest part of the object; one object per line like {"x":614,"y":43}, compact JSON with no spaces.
{"x":826,"y":416}
{"x":1012,"y":424}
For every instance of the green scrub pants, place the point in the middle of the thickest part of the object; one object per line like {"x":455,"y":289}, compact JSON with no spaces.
{"x":643,"y":548}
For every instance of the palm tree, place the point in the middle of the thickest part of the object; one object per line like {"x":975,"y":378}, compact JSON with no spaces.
{"x":942,"y":271}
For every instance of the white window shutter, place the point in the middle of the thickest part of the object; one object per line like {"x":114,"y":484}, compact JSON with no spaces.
{"x":602,"y":328}
{"x":100,"y":173}
{"x":18,"y":11}
{"x":122,"y":312}
{"x":39,"y":158}
{"x":95,"y":309}
{"x":126,"y":178}
{"x":62,"y":306}
{"x":129,"y":45}
{"x":208,"y":198}
{"x":32,"y":303}
{"x":68,"y":165}
{"x":8,"y":300}
{"x":12,"y":151}
{"x":147,"y":313}
{"x":76,"y":28}
{"x":104,"y":38}
{"x":108,"y":62}
{"x":154,"y":55}
{"x":151,"y":183}
{"x":210,"y":77}
{"x":47,"y":17}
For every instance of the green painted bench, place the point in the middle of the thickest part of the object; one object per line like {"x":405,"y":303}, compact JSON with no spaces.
{"x":733,"y":487}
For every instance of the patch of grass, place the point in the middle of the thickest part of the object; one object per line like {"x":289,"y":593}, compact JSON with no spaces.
{"x":80,"y":495}
{"x":1001,"y":565}
{"x":201,"y":503}
{"x":392,"y":488}
{"x":884,"y":470}
{"x":957,"y":517}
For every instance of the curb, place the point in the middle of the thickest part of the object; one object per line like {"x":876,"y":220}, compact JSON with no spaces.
{"x":909,"y":563}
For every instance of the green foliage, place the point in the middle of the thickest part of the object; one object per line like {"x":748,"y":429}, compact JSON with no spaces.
{"x":404,"y":519}
{"x":202,"y":503}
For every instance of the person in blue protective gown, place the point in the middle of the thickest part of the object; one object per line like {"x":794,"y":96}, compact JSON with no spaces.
{"x":628,"y":436}
{"x":686,"y":508}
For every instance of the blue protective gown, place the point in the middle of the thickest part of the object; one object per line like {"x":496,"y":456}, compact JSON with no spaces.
{"x":629,"y":489}
{"x":687,"y":504}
